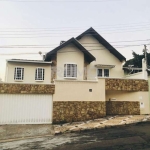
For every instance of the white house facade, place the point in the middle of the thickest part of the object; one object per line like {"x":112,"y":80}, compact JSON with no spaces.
{"x":83,"y":79}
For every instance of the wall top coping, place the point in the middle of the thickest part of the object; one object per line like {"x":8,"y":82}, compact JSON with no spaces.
{"x":24,"y":83}
{"x":85,"y":81}
{"x":124,"y":79}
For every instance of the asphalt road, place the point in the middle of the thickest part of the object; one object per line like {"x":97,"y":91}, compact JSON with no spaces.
{"x":132,"y":137}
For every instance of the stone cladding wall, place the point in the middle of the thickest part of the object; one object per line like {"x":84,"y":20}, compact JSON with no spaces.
{"x":122,"y":108}
{"x":126,"y":84}
{"x":11,"y":88}
{"x":71,"y":111}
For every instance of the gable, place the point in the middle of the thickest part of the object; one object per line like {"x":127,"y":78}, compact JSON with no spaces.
{"x":88,"y":56}
{"x":70,"y":54}
{"x":103,"y":57}
{"x":102,"y":54}
{"x":102,"y":41}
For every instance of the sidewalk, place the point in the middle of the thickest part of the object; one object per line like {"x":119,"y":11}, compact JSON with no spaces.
{"x":108,"y":121}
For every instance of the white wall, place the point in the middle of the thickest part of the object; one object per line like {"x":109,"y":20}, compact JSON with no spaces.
{"x":70,"y":54}
{"x":29,"y":72}
{"x":103,"y":56}
{"x":138,"y":75}
{"x":142,"y":97}
{"x":79,"y":90}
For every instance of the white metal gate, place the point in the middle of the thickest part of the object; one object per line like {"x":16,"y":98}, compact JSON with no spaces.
{"x":25,"y":109}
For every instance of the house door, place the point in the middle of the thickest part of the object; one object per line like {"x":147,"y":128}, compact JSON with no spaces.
{"x":25,"y":109}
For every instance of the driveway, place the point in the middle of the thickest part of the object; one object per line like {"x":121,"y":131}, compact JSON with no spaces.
{"x":126,"y":137}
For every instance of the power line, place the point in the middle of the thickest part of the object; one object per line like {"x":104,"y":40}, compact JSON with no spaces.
{"x":117,"y":46}
{"x":29,"y":32}
{"x":85,"y":44}
{"x":101,"y":26}
{"x":60,"y":52}
{"x":46,"y":36}
{"x":70,"y":29}
{"x":59,"y":1}
{"x":49,"y":46}
{"x":81,"y":43}
{"x":59,"y":33}
{"x":130,"y":41}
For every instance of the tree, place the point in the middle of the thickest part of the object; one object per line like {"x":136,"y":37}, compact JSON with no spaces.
{"x":136,"y":61}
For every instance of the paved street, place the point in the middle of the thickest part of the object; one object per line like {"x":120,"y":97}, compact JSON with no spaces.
{"x":127,"y":137}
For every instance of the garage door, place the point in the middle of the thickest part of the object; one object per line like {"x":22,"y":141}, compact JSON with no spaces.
{"x":25,"y":109}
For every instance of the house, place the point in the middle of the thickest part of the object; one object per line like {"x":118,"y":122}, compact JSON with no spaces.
{"x":87,"y":57}
{"x":98,"y":57}
{"x":89,"y":80}
{"x":28,"y":71}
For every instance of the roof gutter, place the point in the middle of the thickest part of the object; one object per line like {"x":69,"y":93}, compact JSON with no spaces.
{"x":23,"y":61}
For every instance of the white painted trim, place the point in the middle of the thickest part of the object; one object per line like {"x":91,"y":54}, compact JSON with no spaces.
{"x":104,"y":66}
{"x":66,"y":70}
{"x":28,"y":61}
{"x":70,"y":77}
{"x":19,"y":80}
{"x":102,"y":73}
{"x":37,"y":73}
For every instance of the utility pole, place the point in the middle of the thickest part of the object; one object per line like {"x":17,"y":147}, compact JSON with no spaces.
{"x":145,"y":52}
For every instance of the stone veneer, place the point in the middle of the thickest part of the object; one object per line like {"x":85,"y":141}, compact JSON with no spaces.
{"x":71,"y":111}
{"x":12,"y":88}
{"x":126,"y":84}
{"x":122,"y":108}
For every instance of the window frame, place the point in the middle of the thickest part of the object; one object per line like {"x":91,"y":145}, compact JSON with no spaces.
{"x":65,"y":71}
{"x":22,"y":73}
{"x":36,"y":74}
{"x":103,"y":72}
{"x":108,"y":72}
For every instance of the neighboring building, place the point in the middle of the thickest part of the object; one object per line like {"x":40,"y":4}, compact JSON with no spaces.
{"x":87,"y":78}
{"x":28,"y":71}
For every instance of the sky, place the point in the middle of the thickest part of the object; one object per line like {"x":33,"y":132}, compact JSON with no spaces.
{"x":30,"y":26}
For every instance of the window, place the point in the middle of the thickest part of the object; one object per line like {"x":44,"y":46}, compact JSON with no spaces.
{"x":103,"y":72}
{"x":106,"y":72}
{"x":99,"y":72}
{"x":70,"y":70}
{"x":39,"y":74}
{"x":19,"y":73}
